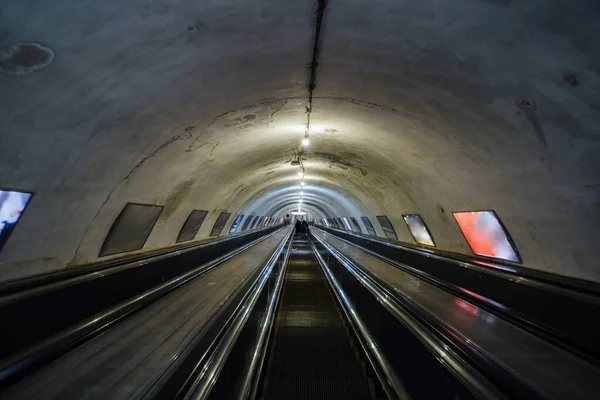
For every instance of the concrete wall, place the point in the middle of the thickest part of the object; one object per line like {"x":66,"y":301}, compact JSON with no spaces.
{"x":201,"y":105}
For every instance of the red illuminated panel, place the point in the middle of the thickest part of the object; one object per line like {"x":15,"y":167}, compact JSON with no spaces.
{"x":486,"y":235}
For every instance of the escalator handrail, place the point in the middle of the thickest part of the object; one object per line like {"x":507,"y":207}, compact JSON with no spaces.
{"x":204,"y":376}
{"x":25,"y":362}
{"x":471,"y":378}
{"x":573,"y":287}
{"x":389,"y":381}
{"x":252,"y":376}
{"x":18,"y":289}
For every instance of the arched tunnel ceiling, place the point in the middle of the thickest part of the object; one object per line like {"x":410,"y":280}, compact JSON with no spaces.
{"x":420,"y":106}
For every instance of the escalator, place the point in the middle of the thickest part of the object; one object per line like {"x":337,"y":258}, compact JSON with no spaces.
{"x":287,"y":319}
{"x":510,"y":361}
{"x":318,"y":332}
{"x":142,"y":351}
{"x":311,"y":354}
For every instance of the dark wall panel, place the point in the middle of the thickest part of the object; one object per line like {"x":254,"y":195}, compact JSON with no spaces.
{"x":131,"y":228}
{"x":356,"y":225}
{"x":192,"y":225}
{"x":368,"y":225}
{"x":247,"y":222}
{"x":387,"y":227}
{"x":220,"y":224}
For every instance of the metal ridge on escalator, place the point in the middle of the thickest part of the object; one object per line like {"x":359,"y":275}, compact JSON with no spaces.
{"x":559,"y":314}
{"x":50,"y":280}
{"x":35,"y":341}
{"x":441,"y":356}
{"x":482,"y":264}
{"x":207,"y":354}
{"x":521,"y":364}
{"x":392,"y":386}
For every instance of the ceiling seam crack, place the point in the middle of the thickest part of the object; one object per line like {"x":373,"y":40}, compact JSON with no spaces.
{"x":314,"y":63}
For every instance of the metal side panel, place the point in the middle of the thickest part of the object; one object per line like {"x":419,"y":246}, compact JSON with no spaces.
{"x":312,"y":355}
{"x":122,"y":362}
{"x":549,"y":369}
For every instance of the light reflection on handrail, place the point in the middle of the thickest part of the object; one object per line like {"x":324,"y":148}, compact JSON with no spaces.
{"x":390,"y":382}
{"x":249,"y":386}
{"x":204,"y":382}
{"x":488,"y":268}
{"x":86,"y":329}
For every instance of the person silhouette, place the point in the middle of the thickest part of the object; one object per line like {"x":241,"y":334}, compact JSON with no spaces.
{"x":305,"y":228}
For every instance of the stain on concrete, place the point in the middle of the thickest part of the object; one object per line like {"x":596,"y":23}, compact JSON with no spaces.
{"x":75,"y":261}
{"x":380,"y":184}
{"x":155,"y":152}
{"x":530,"y":110}
{"x":264,"y":103}
{"x":240,"y":190}
{"x":591,"y":185}
{"x":572,"y":80}
{"x":43,"y":260}
{"x":214,"y":147}
{"x":244,"y":121}
{"x":274,"y":163}
{"x":358,"y":102}
{"x":188,"y":131}
{"x":346,"y":161}
{"x":406,"y":190}
{"x":174,"y":198}
{"x":556,"y":114}
{"x":87,"y":228}
{"x":25,"y":58}
{"x":331,"y":130}
{"x":402,"y":180}
{"x":333,"y":159}
{"x":390,"y":168}
{"x":348,"y":155}
{"x":277,"y":109}
{"x":442,"y":213}
{"x":32,"y":266}
{"x":195,"y":146}
{"x":196,"y":27}
{"x":186,"y":134}
{"x":479,"y":159}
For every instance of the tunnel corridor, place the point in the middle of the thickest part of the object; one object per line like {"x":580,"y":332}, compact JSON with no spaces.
{"x":450,"y":147}
{"x":285,"y":312}
{"x":409,"y":108}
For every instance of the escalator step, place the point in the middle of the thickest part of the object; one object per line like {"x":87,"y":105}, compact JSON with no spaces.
{"x":312,"y":356}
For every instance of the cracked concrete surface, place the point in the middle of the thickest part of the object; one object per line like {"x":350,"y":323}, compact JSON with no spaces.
{"x":201,"y":105}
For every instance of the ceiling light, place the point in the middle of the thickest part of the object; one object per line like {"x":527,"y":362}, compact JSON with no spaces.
{"x":298,"y":213}
{"x":305,"y":141}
